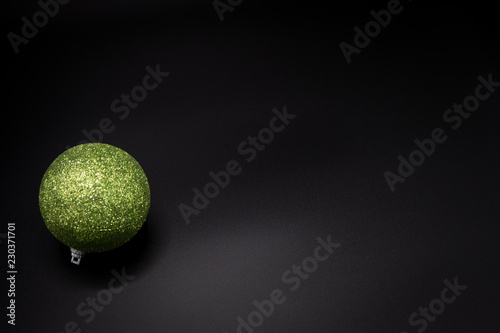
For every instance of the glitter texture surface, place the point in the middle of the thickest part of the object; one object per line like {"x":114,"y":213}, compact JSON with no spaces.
{"x":94,"y":197}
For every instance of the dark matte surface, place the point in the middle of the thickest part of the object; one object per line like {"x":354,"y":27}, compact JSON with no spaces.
{"x":322,"y":175}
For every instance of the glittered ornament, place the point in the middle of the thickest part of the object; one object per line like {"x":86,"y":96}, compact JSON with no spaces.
{"x":94,"y":197}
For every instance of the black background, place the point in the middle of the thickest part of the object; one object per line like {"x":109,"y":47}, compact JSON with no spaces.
{"x":322,"y":176}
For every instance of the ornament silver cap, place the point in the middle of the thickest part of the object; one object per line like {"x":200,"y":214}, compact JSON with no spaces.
{"x":76,"y":256}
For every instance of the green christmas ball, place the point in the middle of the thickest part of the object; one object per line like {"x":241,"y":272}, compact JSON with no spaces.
{"x":94,"y":197}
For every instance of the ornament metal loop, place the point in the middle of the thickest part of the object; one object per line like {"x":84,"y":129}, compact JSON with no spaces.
{"x":76,"y":256}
